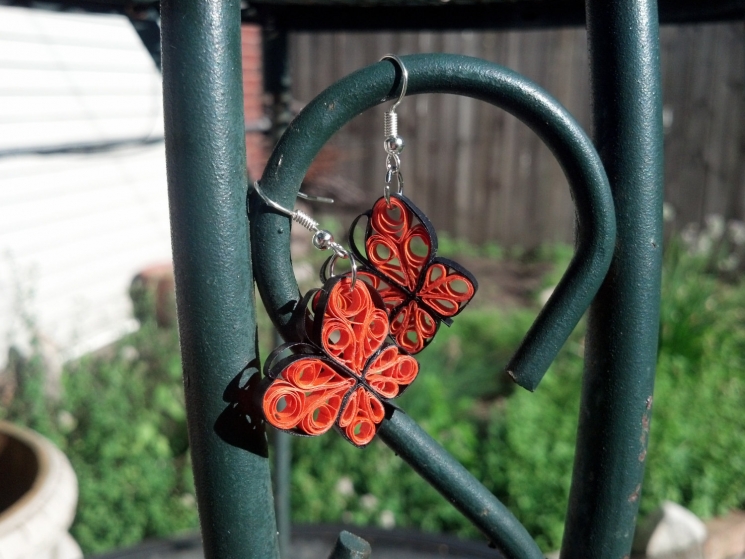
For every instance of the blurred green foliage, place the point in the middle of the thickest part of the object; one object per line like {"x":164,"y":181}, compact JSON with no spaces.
{"x":121,"y":421}
{"x":697,"y":449}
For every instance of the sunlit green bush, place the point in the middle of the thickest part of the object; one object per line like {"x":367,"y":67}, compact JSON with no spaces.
{"x":122,"y":424}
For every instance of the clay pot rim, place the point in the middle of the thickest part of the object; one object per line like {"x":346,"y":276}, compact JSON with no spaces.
{"x":37,"y":445}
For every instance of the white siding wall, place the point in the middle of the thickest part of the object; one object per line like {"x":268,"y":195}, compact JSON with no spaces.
{"x":75,"y":228}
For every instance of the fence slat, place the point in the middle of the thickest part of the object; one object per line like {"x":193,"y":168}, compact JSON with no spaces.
{"x":482,"y":175}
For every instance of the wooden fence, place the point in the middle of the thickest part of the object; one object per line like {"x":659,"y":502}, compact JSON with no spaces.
{"x":481,"y":174}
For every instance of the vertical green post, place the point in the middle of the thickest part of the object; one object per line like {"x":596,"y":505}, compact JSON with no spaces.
{"x":621,"y":345}
{"x":206,"y":162}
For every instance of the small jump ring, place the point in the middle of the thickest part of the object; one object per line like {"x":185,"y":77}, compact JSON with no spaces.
{"x":352,"y":261}
{"x":393,"y":162}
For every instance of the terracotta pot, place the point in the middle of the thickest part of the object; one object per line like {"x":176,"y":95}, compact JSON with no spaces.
{"x":38,"y":495}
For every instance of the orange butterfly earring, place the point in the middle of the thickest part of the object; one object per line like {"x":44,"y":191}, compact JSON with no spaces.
{"x":344,"y":368}
{"x":420,"y":289}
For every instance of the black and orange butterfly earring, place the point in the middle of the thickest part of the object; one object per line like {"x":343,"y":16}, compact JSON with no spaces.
{"x":420,"y":289}
{"x":342,"y":369}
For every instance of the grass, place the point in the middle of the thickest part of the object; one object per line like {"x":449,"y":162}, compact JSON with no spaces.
{"x":121,"y":421}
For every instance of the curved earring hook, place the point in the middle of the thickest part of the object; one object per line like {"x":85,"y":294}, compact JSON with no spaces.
{"x":285,"y":211}
{"x":322,"y":239}
{"x":393,"y":143}
{"x":404,"y":78}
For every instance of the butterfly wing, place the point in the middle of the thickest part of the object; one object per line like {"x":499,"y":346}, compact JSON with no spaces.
{"x":351,"y":322}
{"x":387,"y":375}
{"x":412,"y":327}
{"x":363,"y":412}
{"x":447,"y":287}
{"x":305,"y":394}
{"x":399,"y":242}
{"x":391,"y":371}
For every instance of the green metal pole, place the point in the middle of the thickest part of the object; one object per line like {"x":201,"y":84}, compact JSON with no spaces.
{"x":206,"y":163}
{"x":621,"y":346}
{"x":282,"y":475}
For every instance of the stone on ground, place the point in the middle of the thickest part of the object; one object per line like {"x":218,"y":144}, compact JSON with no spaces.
{"x":671,"y":531}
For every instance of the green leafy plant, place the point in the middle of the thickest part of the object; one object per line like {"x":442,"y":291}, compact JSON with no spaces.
{"x":121,"y":421}
{"x":129,"y":446}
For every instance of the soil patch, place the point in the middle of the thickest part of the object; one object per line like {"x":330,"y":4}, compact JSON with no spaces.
{"x":505,"y":283}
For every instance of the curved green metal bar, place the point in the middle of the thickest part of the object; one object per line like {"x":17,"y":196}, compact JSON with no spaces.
{"x":461,"y":75}
{"x":443,"y":472}
{"x":349,"y":546}
{"x":441,"y":73}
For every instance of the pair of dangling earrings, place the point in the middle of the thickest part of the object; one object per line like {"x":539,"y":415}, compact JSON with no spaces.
{"x":360,"y":330}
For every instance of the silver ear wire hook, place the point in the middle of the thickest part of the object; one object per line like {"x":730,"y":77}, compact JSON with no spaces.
{"x":393,"y":143}
{"x":322,"y":239}
{"x":312,"y":198}
{"x":302,"y":195}
{"x":404,"y":79}
{"x":299,"y":216}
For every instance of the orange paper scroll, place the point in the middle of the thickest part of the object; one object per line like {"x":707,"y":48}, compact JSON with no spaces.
{"x":419,"y":289}
{"x":344,"y":373}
